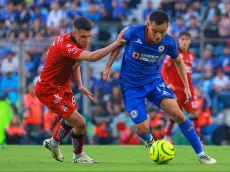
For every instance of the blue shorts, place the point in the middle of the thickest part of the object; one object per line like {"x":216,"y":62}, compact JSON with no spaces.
{"x":134,"y":98}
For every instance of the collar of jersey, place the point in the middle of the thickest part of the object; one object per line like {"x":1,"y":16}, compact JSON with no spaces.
{"x":146,"y":36}
{"x":72,"y":38}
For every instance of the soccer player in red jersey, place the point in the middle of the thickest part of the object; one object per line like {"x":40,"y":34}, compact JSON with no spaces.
{"x":174,"y":82}
{"x":53,"y":87}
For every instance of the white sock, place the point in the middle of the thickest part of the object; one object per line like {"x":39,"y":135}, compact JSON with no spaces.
{"x":54,"y":142}
{"x":200,"y":154}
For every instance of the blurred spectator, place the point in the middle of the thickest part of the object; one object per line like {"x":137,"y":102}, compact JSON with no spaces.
{"x":204,"y":113}
{"x":9,"y":86}
{"x":29,"y":66}
{"x":148,"y":10}
{"x":207,"y":61}
{"x":206,"y":82}
{"x":224,"y":26}
{"x":74,"y":12}
{"x":157,"y":123}
{"x":210,"y":11}
{"x":190,"y":13}
{"x":104,"y":85}
{"x":115,"y":99}
{"x":38,"y":14}
{"x":105,"y":15}
{"x":102,"y":130}
{"x":181,"y":8}
{"x":221,"y":88}
{"x":93,"y":81}
{"x":193,"y":28}
{"x":93,"y":13}
{"x":222,"y":6}
{"x":178,"y":27}
{"x":32,"y":113}
{"x":211,"y":29}
{"x":9,"y":63}
{"x":15,"y":133}
{"x":224,"y":60}
{"x":129,"y":137}
{"x":54,"y":17}
{"x":50,"y":122}
{"x":197,"y":6}
{"x":23,"y":16}
{"x":121,"y":10}
{"x":6,"y":114}
{"x":36,"y":27}
{"x":94,"y":37}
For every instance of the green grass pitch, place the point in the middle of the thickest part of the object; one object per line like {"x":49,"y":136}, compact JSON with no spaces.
{"x":111,"y":158}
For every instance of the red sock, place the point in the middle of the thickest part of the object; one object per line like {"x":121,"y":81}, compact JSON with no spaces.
{"x":169,"y":127}
{"x":197,"y":127}
{"x":62,"y":131}
{"x":77,"y":142}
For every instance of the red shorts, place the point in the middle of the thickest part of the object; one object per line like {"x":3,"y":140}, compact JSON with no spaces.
{"x":181,"y":98}
{"x":62,"y":102}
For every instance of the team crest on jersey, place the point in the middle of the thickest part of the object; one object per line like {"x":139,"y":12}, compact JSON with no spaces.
{"x":133,"y":113}
{"x":161,"y":48}
{"x":136,"y":55}
{"x":64,"y":107}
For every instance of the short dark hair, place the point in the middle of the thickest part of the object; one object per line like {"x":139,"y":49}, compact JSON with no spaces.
{"x":159,"y":17}
{"x":82,"y":23}
{"x":185,"y":34}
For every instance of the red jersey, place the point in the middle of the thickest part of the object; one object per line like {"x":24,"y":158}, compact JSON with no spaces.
{"x":170,"y":73}
{"x":61,"y":60}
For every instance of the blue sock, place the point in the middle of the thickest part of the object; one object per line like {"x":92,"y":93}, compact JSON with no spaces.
{"x":147,"y":138}
{"x":189,"y":132}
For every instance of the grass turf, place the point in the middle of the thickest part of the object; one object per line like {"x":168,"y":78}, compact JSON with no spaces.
{"x":111,"y":158}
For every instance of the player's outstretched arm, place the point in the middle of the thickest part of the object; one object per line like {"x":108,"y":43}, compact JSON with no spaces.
{"x":107,"y":70}
{"x":183,"y":74}
{"x":78,"y":82}
{"x":99,"y":54}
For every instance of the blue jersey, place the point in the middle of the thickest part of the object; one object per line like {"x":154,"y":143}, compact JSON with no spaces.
{"x":140,"y":61}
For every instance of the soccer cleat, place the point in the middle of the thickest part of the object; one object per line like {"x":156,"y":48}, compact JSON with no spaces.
{"x":55,"y":150}
{"x":205,"y":159}
{"x":168,"y":138}
{"x":83,"y":158}
{"x":148,"y":144}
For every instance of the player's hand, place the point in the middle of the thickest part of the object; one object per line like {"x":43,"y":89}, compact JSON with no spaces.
{"x":106,"y":73}
{"x":86,"y":93}
{"x":171,"y":87}
{"x":188,"y":95}
{"x":120,"y":40}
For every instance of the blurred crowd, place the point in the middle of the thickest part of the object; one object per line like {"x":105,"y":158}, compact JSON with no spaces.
{"x":208,"y":21}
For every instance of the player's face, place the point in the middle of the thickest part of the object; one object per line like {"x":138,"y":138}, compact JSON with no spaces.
{"x":156,"y":32}
{"x":82,"y":37}
{"x":184,"y":42}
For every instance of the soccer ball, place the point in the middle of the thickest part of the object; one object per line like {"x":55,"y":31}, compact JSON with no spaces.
{"x":162,"y":152}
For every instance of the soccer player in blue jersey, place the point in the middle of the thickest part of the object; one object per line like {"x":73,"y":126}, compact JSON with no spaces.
{"x":140,"y":78}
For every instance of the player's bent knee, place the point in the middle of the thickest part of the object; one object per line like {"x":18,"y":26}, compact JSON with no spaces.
{"x":82,"y":125}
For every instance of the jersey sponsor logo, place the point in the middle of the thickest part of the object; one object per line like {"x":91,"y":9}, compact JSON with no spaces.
{"x":161,"y":48}
{"x":145,"y":57}
{"x":138,"y":41}
{"x":136,"y":55}
{"x":133,"y":113}
{"x":74,"y":49}
{"x":57,"y":98}
{"x":68,"y":45}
